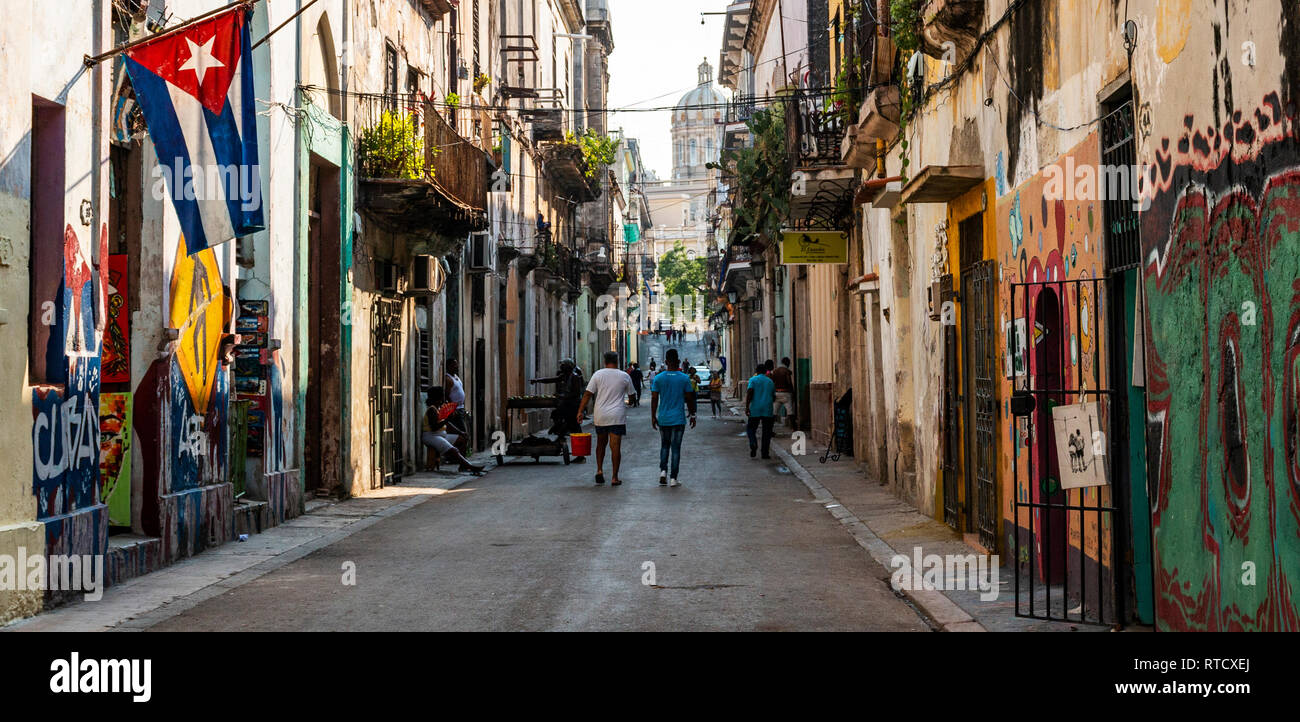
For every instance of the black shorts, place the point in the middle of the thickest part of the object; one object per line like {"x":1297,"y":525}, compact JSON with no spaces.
{"x":618,"y":430}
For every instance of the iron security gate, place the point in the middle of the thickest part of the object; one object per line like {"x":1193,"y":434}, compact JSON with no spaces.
{"x":978,"y":297}
{"x":1066,"y":560}
{"x":386,"y":390}
{"x":952,"y":426}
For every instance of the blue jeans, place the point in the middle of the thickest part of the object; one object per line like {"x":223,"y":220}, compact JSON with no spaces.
{"x":670,"y":440}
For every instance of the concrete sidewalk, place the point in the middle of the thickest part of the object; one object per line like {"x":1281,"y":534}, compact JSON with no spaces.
{"x":147,"y":600}
{"x":885,"y":526}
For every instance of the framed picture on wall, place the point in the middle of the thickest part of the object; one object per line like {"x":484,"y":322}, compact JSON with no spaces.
{"x":1080,"y":445}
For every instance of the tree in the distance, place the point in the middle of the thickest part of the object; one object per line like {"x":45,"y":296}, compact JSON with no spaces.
{"x":683,"y":276}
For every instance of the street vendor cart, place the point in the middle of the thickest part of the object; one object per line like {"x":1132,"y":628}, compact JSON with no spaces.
{"x":531,"y":445}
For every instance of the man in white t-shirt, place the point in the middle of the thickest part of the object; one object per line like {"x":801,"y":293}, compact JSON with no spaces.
{"x":609,"y":387}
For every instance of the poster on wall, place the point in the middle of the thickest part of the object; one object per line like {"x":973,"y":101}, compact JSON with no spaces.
{"x":115,"y":456}
{"x":116,"y":358}
{"x":1016,"y":340}
{"x":1078,"y":439}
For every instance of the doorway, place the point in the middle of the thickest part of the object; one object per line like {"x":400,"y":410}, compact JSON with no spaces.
{"x":978,"y":402}
{"x":324,"y":407}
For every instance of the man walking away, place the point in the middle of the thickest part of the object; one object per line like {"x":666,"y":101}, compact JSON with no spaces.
{"x":783,"y":381}
{"x":608,"y":387}
{"x":637,"y":380}
{"x":670,"y":391}
{"x":758,"y":410}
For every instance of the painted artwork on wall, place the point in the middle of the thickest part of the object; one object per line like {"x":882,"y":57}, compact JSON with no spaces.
{"x":116,"y":359}
{"x":200,"y":309}
{"x":1222,"y":247}
{"x":115,"y":456}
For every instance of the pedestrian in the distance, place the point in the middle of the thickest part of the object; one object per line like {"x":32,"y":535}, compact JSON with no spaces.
{"x":670,"y":398}
{"x":568,"y":393}
{"x":608,"y":388}
{"x":454,"y":391}
{"x":715,"y":393}
{"x":783,"y":382}
{"x":637,"y":380}
{"x":758,"y":411}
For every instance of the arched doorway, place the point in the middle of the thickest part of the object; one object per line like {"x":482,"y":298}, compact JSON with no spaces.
{"x":1050,"y":525}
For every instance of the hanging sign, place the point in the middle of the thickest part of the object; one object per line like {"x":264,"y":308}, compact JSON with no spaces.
{"x":799,"y":247}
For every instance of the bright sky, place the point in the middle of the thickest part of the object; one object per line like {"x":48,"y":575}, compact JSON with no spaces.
{"x":658,"y":46}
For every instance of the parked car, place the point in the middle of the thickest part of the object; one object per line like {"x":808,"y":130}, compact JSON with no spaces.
{"x":704,"y":374}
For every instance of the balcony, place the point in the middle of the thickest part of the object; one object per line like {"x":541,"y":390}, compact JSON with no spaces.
{"x":950,"y":21}
{"x":566,"y":168}
{"x":417,"y":175}
{"x":822,"y":192}
{"x":878,"y":119}
{"x":437,"y":8}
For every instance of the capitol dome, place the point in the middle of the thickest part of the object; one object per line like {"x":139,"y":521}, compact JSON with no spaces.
{"x":696,"y":129}
{"x":705,"y":93}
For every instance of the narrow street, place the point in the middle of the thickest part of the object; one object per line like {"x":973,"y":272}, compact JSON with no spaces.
{"x":737,"y":547}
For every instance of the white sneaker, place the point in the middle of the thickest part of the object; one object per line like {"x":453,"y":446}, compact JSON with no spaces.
{"x":673,"y":482}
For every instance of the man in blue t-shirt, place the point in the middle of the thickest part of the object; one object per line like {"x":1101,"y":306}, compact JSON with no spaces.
{"x":758,"y":410}
{"x":670,"y":391}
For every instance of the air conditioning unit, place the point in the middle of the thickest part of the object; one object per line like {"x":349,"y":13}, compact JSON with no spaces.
{"x":389,"y":276}
{"x":427,"y":276}
{"x":480,"y":253}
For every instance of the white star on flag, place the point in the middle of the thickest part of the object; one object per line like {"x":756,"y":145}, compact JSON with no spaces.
{"x":201,"y":58}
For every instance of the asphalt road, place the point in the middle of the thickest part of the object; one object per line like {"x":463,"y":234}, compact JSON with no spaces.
{"x":740,"y":546}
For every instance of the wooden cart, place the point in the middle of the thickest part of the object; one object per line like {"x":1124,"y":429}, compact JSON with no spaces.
{"x":534,"y":446}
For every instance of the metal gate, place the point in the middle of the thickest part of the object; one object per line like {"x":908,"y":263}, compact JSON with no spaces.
{"x":979,"y":300}
{"x":1066,"y":561}
{"x":386,"y":390}
{"x":951,"y":420}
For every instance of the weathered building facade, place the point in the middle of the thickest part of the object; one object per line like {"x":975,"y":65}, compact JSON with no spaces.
{"x":421,"y":202}
{"x":1065,"y":313}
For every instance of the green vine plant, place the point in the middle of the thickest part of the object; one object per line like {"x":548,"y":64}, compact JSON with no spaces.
{"x":481,"y":82}
{"x":453,"y":100}
{"x":905,"y":18}
{"x":762,"y":179}
{"x":394,"y":147}
{"x":597,"y":150}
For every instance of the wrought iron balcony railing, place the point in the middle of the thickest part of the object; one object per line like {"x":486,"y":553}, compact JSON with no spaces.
{"x":405,"y":138}
{"x":815,"y":122}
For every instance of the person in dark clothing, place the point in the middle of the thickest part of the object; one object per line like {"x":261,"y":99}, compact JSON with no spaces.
{"x":438,"y":430}
{"x":637,"y":379}
{"x":569,"y":386}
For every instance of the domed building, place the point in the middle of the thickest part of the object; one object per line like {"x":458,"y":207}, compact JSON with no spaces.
{"x":696,"y":134}
{"x":679,"y":207}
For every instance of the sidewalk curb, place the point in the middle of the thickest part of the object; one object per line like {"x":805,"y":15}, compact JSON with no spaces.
{"x":944,"y":612}
{"x":175,"y":606}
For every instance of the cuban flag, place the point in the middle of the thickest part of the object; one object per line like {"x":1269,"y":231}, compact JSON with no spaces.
{"x":195,"y":88}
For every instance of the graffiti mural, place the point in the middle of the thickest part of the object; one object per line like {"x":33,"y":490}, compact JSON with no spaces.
{"x":65,"y":409}
{"x":1047,"y":233}
{"x":115,"y":456}
{"x":115,"y":361}
{"x":200,"y":310}
{"x":65,"y":440}
{"x":1221,"y":244}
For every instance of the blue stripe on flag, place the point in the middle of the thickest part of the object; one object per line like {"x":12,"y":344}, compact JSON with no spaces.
{"x":169,"y":142}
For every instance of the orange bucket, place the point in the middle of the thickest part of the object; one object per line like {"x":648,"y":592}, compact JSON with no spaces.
{"x":580,"y":444}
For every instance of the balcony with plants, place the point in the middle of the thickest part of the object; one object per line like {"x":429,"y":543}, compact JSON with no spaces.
{"x":417,"y":175}
{"x":573,"y":165}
